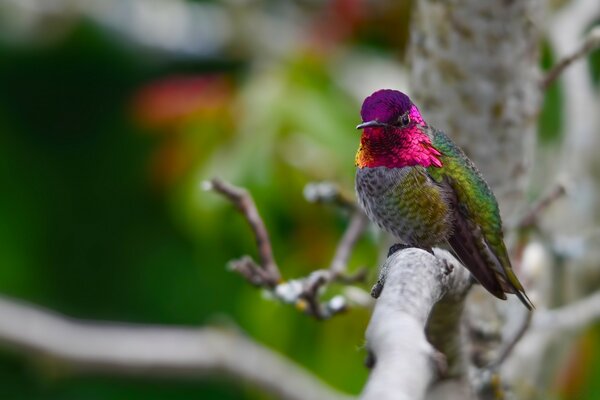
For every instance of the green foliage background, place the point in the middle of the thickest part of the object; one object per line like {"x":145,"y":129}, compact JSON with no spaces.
{"x":88,"y":233}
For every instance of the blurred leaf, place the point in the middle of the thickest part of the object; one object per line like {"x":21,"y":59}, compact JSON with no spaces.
{"x":550,"y":121}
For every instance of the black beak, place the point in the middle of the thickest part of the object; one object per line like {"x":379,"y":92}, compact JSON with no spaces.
{"x":369,"y":124}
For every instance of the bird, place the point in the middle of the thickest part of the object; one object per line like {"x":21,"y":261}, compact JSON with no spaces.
{"x":413,"y":181}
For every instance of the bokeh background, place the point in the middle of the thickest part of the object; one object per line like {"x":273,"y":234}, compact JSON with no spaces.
{"x":113,"y":112}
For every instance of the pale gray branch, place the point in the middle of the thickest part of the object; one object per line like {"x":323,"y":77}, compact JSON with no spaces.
{"x":405,"y":363}
{"x":546,"y":327}
{"x":571,"y":317}
{"x":146,"y":350}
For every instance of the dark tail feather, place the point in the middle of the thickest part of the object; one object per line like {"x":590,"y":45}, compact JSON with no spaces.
{"x":521,"y":295}
{"x":473,"y":251}
{"x":517,"y":288}
{"x":495,"y":283}
{"x":471,"y":258}
{"x":506,"y":276}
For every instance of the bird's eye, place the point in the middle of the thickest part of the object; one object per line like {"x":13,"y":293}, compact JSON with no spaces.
{"x":404,"y":120}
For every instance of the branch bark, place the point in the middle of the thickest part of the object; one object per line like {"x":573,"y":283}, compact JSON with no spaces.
{"x":155,"y":351}
{"x":405,"y":363}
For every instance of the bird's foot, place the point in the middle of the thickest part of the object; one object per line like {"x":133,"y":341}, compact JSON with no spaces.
{"x":428,"y":249}
{"x":397,"y":247}
{"x":378,"y":287}
{"x":370,"y":360}
{"x":401,"y":246}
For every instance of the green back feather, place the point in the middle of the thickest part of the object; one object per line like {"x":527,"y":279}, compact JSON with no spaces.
{"x":475,"y":195}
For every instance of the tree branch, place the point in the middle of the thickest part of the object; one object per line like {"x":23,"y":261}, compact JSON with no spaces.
{"x":405,"y":363}
{"x":357,"y":226}
{"x":268,"y":273}
{"x":530,"y":219}
{"x":591,"y":43}
{"x":302,"y":292}
{"x":570,"y":317}
{"x":144,"y":350}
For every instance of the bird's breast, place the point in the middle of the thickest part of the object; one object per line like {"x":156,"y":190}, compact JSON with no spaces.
{"x":405,"y":202}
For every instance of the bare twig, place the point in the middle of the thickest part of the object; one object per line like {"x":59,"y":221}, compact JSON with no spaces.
{"x":145,"y":350}
{"x":531,"y":217}
{"x":302,"y":292}
{"x":511,"y":344}
{"x":268,"y":273}
{"x":357,"y":226}
{"x":359,"y":276}
{"x":591,"y":42}
{"x":335,"y":273}
{"x":327,"y":192}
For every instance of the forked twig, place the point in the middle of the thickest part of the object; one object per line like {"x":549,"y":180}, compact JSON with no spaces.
{"x":303,"y":292}
{"x":267,"y":273}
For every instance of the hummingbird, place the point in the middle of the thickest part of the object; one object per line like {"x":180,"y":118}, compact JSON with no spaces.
{"x":413,"y":181}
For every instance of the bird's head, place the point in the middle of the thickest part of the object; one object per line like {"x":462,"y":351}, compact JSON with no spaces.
{"x":389,"y":111}
{"x":393,"y":132}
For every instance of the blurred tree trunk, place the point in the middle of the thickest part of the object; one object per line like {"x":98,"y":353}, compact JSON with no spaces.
{"x":475,"y":75}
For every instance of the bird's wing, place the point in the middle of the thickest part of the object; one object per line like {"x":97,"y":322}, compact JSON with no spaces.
{"x":477,"y":238}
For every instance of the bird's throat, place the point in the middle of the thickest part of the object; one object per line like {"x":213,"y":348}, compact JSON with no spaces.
{"x":396,"y":148}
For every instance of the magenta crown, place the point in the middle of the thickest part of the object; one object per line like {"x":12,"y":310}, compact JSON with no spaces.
{"x":385,"y":106}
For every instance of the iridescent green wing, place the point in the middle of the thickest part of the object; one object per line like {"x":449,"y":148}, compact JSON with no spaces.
{"x":477,"y":206}
{"x":472,"y":192}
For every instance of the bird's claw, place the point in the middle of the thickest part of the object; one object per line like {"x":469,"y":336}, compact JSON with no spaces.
{"x":397,"y":247}
{"x":401,"y":246}
{"x":377,"y":288}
